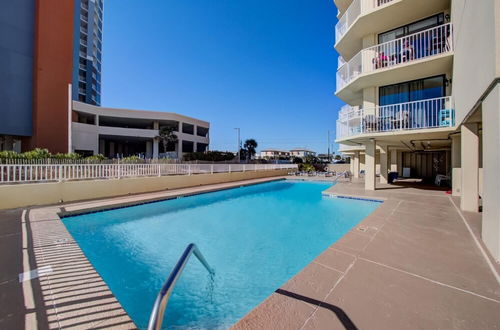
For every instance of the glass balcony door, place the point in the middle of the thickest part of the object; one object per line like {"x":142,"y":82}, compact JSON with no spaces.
{"x":402,"y":101}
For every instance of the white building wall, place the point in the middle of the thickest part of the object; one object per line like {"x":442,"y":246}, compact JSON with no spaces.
{"x":476,"y":42}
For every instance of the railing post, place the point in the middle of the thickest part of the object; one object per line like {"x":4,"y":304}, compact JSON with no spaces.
{"x":189,"y":169}
{"x":159,"y":169}
{"x":244,"y":167}
{"x":212,"y":169}
{"x":60,"y":173}
{"x":229,"y":169}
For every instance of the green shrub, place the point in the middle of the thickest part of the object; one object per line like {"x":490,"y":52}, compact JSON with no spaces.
{"x":131,"y":159}
{"x":306,"y":168}
{"x":95,"y":158}
{"x":71,"y":155}
{"x":209,"y":156}
{"x":36,"y":154}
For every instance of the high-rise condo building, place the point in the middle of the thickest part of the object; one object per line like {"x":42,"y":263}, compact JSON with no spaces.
{"x":50,"y":88}
{"x":420,"y":83}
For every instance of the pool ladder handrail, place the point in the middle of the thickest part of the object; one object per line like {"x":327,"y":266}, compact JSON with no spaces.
{"x":156,"y":318}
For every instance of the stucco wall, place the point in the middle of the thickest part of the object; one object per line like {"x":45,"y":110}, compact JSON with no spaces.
{"x":475,"y":62}
{"x":12,"y":196}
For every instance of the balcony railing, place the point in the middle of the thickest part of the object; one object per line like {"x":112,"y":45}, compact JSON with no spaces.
{"x":357,"y":8}
{"x":423,"y":114}
{"x":427,"y":43}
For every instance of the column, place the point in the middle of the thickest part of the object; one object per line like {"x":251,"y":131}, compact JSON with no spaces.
{"x":470,"y":168}
{"x":355,"y":160}
{"x":102,"y":147}
{"x":491,"y":176}
{"x":456,"y":175}
{"x":112,"y":149}
{"x":179,"y":149}
{"x":384,"y":174}
{"x":394,"y":160}
{"x":156,"y":146}
{"x":149,"y":149}
{"x":370,"y":165}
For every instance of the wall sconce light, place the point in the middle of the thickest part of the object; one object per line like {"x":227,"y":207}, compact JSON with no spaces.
{"x":447,"y":17}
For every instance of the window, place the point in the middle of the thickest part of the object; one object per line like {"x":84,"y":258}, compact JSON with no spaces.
{"x":416,"y":90}
{"x":187,"y":128}
{"x":201,"y":147}
{"x":187,"y":146}
{"x":405,"y":30}
{"x":202,"y":131}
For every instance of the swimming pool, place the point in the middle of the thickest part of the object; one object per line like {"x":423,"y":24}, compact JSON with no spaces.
{"x":255,"y":237}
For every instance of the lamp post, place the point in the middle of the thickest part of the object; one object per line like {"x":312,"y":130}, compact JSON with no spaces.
{"x":328,"y":147}
{"x":239,"y":145}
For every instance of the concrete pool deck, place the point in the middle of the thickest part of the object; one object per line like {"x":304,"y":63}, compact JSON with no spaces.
{"x":59,"y":287}
{"x":412,"y":263}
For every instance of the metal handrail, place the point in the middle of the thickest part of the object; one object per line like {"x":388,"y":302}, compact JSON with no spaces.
{"x":156,"y":318}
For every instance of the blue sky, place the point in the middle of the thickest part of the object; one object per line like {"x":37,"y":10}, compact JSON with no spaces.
{"x":266,"y":66}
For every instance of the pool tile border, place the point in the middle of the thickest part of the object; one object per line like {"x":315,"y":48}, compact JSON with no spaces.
{"x":91,"y":308}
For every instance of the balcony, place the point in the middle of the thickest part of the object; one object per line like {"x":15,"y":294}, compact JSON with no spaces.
{"x":401,"y":117}
{"x":402,"y":52}
{"x":364,"y":17}
{"x":357,"y":8}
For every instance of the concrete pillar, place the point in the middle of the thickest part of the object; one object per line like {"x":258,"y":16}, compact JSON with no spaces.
{"x":355,"y":161}
{"x":491,"y":177}
{"x":369,"y":100}
{"x":370,"y":165}
{"x":149,"y":149}
{"x":394,"y":160}
{"x":456,"y":175}
{"x":470,"y":168}
{"x":179,"y":149}
{"x":111,"y":149}
{"x":384,"y":174}
{"x":156,"y":125}
{"x":156,"y":146}
{"x":102,"y":147}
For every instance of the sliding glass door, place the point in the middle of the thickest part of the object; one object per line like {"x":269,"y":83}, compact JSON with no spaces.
{"x":412,"y":104}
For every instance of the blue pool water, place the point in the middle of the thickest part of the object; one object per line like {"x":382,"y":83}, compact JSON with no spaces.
{"x":255,"y":237}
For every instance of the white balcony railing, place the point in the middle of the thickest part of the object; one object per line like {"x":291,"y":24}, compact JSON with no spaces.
{"x":356,"y":9}
{"x":422,"y":114}
{"x":427,"y":43}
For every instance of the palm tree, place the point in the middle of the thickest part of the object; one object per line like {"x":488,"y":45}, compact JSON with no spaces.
{"x":167,"y":136}
{"x":250,"y":146}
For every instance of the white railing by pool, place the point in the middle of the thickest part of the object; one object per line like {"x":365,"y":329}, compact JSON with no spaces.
{"x":427,"y":43}
{"x":19,"y":173}
{"x":356,"y":9}
{"x":423,"y":114}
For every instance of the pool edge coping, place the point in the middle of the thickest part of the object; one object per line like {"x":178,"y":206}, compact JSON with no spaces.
{"x":54,"y":214}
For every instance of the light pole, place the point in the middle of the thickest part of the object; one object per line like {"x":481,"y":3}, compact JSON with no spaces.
{"x":328,"y":147}
{"x":239,"y":145}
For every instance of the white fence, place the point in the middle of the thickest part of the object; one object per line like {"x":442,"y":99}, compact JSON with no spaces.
{"x":15,"y":173}
{"x":429,"y":113}
{"x":430,"y":42}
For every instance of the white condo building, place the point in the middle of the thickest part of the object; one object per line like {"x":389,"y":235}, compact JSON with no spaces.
{"x":420,"y":83}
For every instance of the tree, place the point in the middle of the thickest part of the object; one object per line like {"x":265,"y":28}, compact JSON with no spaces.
{"x":249,"y":146}
{"x":167,"y":136}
